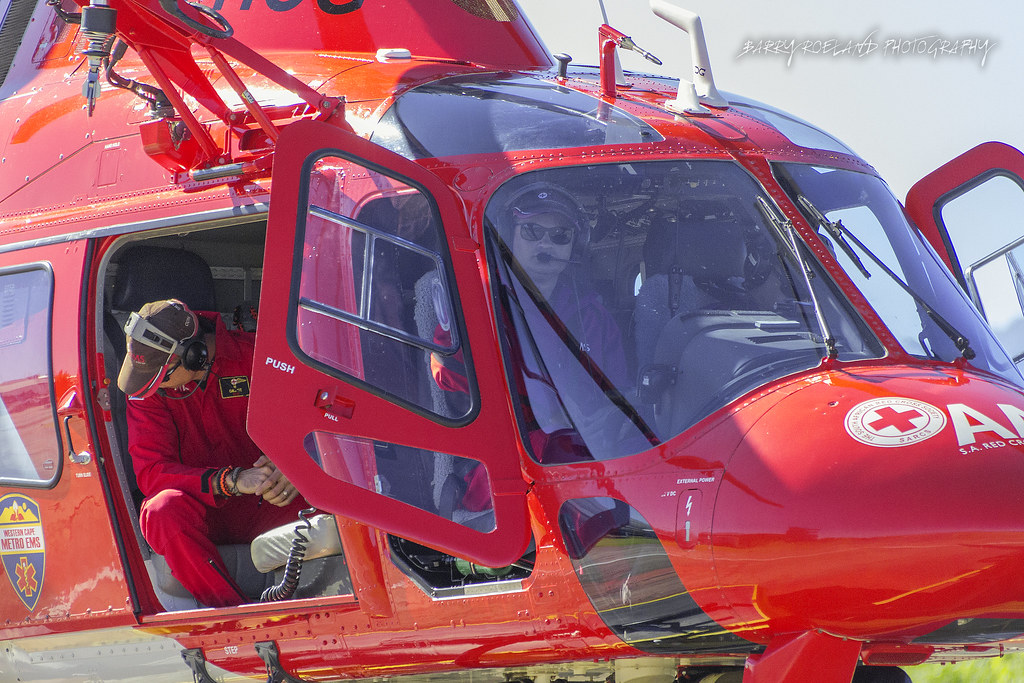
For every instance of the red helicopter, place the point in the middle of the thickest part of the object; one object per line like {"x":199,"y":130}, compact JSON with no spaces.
{"x":736,"y":416}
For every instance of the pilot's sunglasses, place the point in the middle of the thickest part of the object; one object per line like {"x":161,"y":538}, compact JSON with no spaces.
{"x":534,"y":232}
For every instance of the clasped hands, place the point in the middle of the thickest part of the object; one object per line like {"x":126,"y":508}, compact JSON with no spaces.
{"x":264,"y":479}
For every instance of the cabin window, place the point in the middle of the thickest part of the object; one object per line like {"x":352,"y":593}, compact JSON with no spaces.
{"x":374,"y":298}
{"x":798,"y":132}
{"x":450,"y":486}
{"x":28,"y":437}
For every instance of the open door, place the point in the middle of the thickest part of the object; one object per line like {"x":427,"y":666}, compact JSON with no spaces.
{"x":364,"y":250}
{"x":972,"y":211}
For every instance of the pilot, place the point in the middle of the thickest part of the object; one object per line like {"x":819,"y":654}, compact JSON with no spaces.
{"x":546,"y":231}
{"x":204,"y":480}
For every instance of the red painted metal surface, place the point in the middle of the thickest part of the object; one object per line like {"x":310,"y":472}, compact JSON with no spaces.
{"x":784,"y":523}
{"x":81,"y":584}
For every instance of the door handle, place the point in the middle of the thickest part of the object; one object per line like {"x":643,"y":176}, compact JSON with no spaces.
{"x":330,"y":401}
{"x":82,"y":458}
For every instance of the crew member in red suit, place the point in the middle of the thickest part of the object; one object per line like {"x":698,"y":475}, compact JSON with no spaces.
{"x":205,"y":482}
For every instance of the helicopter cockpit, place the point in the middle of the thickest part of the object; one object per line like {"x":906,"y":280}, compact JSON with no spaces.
{"x":684,"y":286}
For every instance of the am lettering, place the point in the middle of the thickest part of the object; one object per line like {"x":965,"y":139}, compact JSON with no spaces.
{"x":969,"y":423}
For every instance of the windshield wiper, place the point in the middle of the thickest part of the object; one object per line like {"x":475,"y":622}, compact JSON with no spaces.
{"x":788,"y":237}
{"x":836,"y":228}
{"x":836,"y":231}
{"x":787,"y":233}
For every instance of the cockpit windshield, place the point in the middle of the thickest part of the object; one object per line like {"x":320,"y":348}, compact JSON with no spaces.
{"x":637,"y":299}
{"x":899,"y":274}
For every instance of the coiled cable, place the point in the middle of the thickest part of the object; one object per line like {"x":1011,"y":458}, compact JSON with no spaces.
{"x":293,"y":567}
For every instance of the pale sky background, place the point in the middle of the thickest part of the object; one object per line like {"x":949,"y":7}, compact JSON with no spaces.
{"x":904,"y":114}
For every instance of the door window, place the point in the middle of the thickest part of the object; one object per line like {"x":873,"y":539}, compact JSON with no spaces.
{"x":969,"y":210}
{"x":28,"y":436}
{"x":374,"y":300}
{"x":984,"y":226}
{"x":447,"y":485}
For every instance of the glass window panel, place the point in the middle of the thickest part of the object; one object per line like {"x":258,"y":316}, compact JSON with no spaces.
{"x":984,"y":219}
{"x":631,"y":582}
{"x":493,"y":113}
{"x":28,"y":422}
{"x":985,"y":226}
{"x":375,"y":301}
{"x":449,"y":486}
{"x":999,"y":288}
{"x":637,"y":299}
{"x":894,"y":268}
{"x":797,"y":130}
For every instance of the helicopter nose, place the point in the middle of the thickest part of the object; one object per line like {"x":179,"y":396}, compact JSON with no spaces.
{"x":878,"y":502}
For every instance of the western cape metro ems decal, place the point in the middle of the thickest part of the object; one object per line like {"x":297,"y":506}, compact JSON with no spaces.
{"x":893,"y":421}
{"x":22,"y":549}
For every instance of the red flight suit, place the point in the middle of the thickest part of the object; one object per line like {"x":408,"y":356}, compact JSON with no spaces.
{"x":177,"y":446}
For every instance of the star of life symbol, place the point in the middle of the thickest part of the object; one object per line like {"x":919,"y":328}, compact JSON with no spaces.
{"x":892,"y":421}
{"x":22,"y":547}
{"x":27,"y":583}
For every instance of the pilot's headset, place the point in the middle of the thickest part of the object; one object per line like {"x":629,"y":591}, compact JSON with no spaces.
{"x":165,"y":329}
{"x":544,"y":197}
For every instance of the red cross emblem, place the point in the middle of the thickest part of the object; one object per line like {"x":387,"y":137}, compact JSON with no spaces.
{"x":893,"y":421}
{"x":901,"y":420}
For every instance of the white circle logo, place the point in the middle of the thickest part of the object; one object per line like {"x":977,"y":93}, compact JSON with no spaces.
{"x":890,"y":422}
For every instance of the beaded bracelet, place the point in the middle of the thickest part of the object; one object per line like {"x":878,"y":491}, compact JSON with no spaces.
{"x":222,"y":476}
{"x":233,"y":487}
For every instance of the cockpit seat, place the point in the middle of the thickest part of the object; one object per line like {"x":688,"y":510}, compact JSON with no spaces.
{"x":668,"y":287}
{"x":175,"y":597}
{"x":691,"y":263}
{"x":146,"y":273}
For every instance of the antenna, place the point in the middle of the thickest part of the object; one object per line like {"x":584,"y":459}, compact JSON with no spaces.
{"x":620,"y":76}
{"x":702,"y":89}
{"x":608,"y":40}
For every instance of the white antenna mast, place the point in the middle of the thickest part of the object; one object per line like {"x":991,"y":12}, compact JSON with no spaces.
{"x":702,"y":89}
